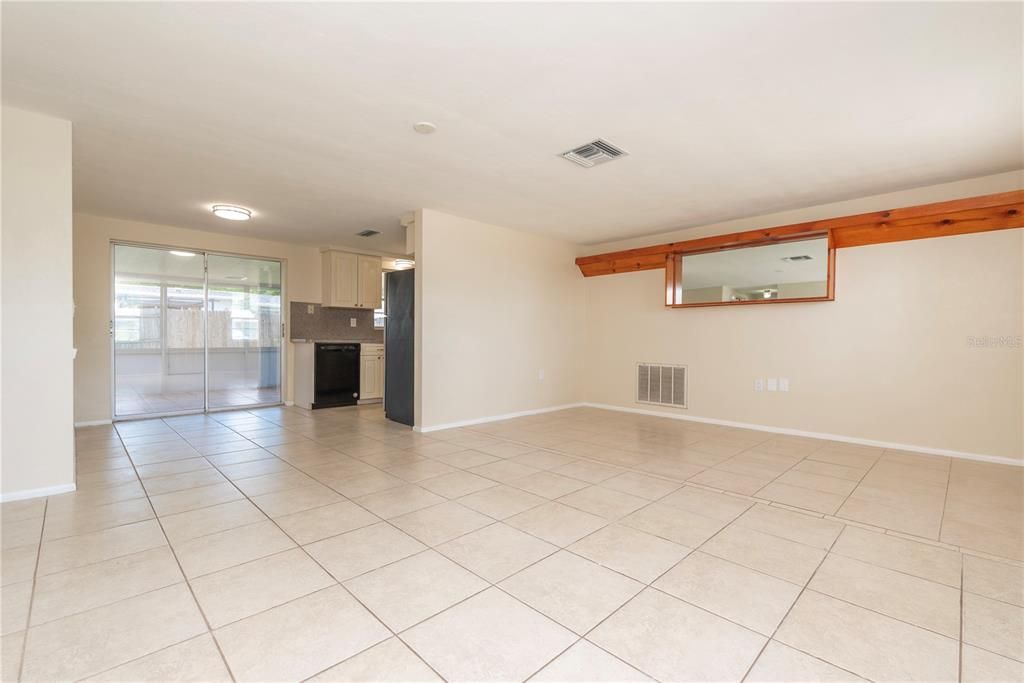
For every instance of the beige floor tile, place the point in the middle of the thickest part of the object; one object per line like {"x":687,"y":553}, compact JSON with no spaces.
{"x":174,"y":467}
{"x":84,"y":588}
{"x":501,"y":502}
{"x":884,"y":550}
{"x":670,"y":468}
{"x":18,"y":564}
{"x":418,"y":471}
{"x":923,"y":603}
{"x":994,"y":626}
{"x":575,"y":592}
{"x":290,"y":501}
{"x":94,"y":641}
{"x":867,"y":643}
{"x":641,"y":485}
{"x":549,"y":485}
{"x":542,"y":460}
{"x":435,"y":525}
{"x":806,"y":529}
{"x":195,"y":661}
{"x":817,"y":482}
{"x":673,"y":524}
{"x":707,"y":503}
{"x":897,"y":513}
{"x":585,"y":662}
{"x":457,"y":484}
{"x":103,"y":478}
{"x":185,"y":526}
{"x":399,"y":501}
{"x":238,"y":592}
{"x":731,"y":481}
{"x":806,"y":499}
{"x":84,"y":498}
{"x":270,"y":483}
{"x":366,"y":484}
{"x":254,"y":468}
{"x":827,"y":469}
{"x":739,"y":594}
{"x":411,"y":590}
{"x":982,"y":666}
{"x":16,"y":600}
{"x":183,"y":480}
{"x":194,"y":499}
{"x":235,"y":457}
{"x":590,"y":472}
{"x":78,"y":551}
{"x":996,"y":580}
{"x":20,"y":510}
{"x":11,"y":647}
{"x":671,"y":640}
{"x":299,"y":639}
{"x":496,"y":552}
{"x":363,"y":550}
{"x":211,"y":553}
{"x":387,"y":661}
{"x":96,"y":519}
{"x":491,"y":636}
{"x":604,"y":502}
{"x":503,"y":471}
{"x":779,"y":663}
{"x":556,"y":523}
{"x":629,"y":551}
{"x":983,"y":537}
{"x":322,"y":522}
{"x":779,"y":557}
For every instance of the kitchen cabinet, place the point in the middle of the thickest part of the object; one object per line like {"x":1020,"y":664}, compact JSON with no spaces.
{"x":351,"y":280}
{"x":371,"y":372}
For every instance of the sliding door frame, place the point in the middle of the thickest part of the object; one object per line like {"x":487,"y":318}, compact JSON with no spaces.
{"x":282,"y":363}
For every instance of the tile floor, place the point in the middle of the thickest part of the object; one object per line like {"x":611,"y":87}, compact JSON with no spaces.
{"x":283,"y":545}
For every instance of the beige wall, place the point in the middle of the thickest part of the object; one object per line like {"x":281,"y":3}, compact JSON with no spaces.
{"x":890,"y":359}
{"x":495,"y":307}
{"x":37,"y":440}
{"x":92,"y":237}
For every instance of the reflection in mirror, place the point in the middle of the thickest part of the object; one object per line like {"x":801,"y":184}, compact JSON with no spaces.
{"x":783,"y":271}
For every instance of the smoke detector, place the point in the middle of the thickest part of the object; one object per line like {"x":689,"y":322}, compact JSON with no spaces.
{"x":368,"y":233}
{"x":593,"y":153}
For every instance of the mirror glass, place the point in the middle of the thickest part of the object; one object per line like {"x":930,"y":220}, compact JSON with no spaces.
{"x":786,"y":270}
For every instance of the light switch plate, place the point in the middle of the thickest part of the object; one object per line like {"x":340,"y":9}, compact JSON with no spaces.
{"x":351,"y":322}
{"x":773,"y":384}
{"x":758,"y":384}
{"x":783,"y":384}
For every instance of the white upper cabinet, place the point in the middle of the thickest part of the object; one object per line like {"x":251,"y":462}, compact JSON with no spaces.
{"x":351,"y":280}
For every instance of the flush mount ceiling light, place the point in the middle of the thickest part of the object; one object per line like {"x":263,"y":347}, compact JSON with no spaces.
{"x":183,"y":253}
{"x":403,"y":263}
{"x":231,"y":213}
{"x":424,"y":127}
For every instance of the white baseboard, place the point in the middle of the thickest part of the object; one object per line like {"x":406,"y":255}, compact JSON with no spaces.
{"x":998,"y":459}
{"x":93,"y":423}
{"x":495,"y":418}
{"x":36,"y":493}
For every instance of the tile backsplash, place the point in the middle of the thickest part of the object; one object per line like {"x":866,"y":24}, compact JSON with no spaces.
{"x":331,"y":324}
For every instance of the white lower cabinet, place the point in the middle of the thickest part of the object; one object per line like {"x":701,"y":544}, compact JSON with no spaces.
{"x":371,"y":372}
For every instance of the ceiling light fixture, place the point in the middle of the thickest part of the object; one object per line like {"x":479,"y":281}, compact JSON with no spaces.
{"x":403,"y":263}
{"x":231,"y":213}
{"x":424,"y":127}
{"x":183,"y":253}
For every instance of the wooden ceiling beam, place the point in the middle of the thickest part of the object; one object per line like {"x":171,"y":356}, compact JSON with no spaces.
{"x":940,"y":219}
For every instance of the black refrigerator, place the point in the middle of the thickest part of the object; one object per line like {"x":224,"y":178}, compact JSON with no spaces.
{"x":398,"y":346}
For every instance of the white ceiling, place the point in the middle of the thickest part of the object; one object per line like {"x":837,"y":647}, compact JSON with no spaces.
{"x":304,"y":111}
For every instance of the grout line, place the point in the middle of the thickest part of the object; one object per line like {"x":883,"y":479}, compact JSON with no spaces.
{"x":32,"y":593}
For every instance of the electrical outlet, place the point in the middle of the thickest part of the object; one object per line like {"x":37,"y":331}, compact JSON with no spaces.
{"x":310,"y":308}
{"x":783,"y":384}
{"x":352,"y":322}
{"x":773,"y":384}
{"x":758,"y":384}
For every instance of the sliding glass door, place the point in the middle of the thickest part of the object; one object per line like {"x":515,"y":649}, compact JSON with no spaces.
{"x":194,"y":331}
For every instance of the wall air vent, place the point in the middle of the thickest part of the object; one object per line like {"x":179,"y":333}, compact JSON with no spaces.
{"x":593,"y":153}
{"x":663,"y":385}
{"x":368,"y":233}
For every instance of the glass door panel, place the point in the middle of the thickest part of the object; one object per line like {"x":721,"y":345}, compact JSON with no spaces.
{"x":159,"y":355}
{"x":243,"y":331}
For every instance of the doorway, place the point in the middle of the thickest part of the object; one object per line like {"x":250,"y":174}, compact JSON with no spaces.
{"x":194,"y":331}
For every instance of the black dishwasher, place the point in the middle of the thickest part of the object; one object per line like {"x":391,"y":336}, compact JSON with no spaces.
{"x":336,"y":375}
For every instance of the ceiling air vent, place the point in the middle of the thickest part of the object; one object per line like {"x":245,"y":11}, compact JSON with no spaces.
{"x":663,"y":385}
{"x":593,"y":153}
{"x":368,"y":233}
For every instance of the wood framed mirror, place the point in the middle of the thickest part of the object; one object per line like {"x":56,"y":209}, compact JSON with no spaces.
{"x":797,"y":268}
